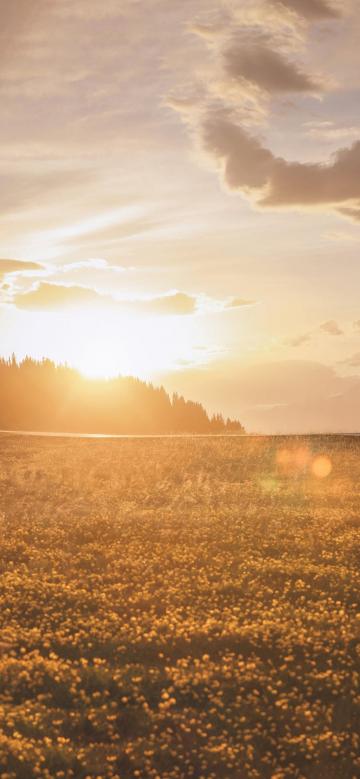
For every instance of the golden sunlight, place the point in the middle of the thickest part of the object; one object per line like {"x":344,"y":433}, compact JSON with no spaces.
{"x":99,"y":360}
{"x":180,"y":389}
{"x":129,"y":344}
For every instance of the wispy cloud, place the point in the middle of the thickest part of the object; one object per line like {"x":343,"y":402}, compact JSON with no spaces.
{"x":16,"y":267}
{"x":353,"y":361}
{"x":341,"y":236}
{"x":284,"y":396}
{"x":98,"y":264}
{"x":239,"y":303}
{"x":331,"y":328}
{"x":329,"y":131}
{"x":266,"y":68}
{"x":45,"y":296}
{"x":257,"y":53}
{"x":299,"y":340}
{"x":312,"y":9}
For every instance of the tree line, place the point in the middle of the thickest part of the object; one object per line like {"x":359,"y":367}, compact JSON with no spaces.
{"x":45,"y":397}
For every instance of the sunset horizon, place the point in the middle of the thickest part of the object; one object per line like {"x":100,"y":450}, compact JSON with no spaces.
{"x":180,"y":389}
{"x":197,"y":227}
{"x":344,"y":425}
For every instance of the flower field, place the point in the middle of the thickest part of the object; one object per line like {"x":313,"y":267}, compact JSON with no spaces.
{"x":180,"y":607}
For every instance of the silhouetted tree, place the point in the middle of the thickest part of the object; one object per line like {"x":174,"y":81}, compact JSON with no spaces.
{"x":42,"y":396}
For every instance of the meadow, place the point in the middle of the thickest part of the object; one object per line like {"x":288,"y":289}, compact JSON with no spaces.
{"x":180,"y":607}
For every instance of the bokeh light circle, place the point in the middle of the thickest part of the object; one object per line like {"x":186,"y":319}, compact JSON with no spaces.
{"x":322,"y":466}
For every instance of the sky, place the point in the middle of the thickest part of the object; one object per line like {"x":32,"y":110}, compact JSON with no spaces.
{"x":180,"y":199}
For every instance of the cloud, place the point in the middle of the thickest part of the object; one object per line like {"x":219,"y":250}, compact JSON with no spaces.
{"x":97,"y":263}
{"x":299,"y":340}
{"x":18,"y":266}
{"x":16,"y":17}
{"x":351,"y":213}
{"x":177,"y":303}
{"x":311,"y":9}
{"x":250,"y":167}
{"x":328,"y":131}
{"x":254,"y":61}
{"x":291,"y":396}
{"x":268,"y":69}
{"x":48,"y":297}
{"x":97,"y":11}
{"x":315,"y":183}
{"x":239,"y":303}
{"x":38,"y":185}
{"x":52,"y":292}
{"x":247,"y":164}
{"x":353,"y":361}
{"x":341,"y":235}
{"x":207,"y":31}
{"x":331,"y":327}
{"x":332,"y":413}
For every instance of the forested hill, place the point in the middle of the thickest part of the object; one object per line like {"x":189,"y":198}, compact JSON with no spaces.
{"x":43,"y":396}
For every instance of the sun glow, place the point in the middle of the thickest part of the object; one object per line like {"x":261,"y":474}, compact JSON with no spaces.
{"x":98,"y":360}
{"x":103,"y":344}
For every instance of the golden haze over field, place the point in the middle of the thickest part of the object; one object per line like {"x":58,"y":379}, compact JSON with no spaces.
{"x":179,"y":264}
{"x":179,"y":608}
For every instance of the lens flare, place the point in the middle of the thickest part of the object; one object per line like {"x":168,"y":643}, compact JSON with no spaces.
{"x":294,"y":461}
{"x":322,"y":466}
{"x":283,"y":457}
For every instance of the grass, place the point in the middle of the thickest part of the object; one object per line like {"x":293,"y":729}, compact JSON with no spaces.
{"x":180,"y":608}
